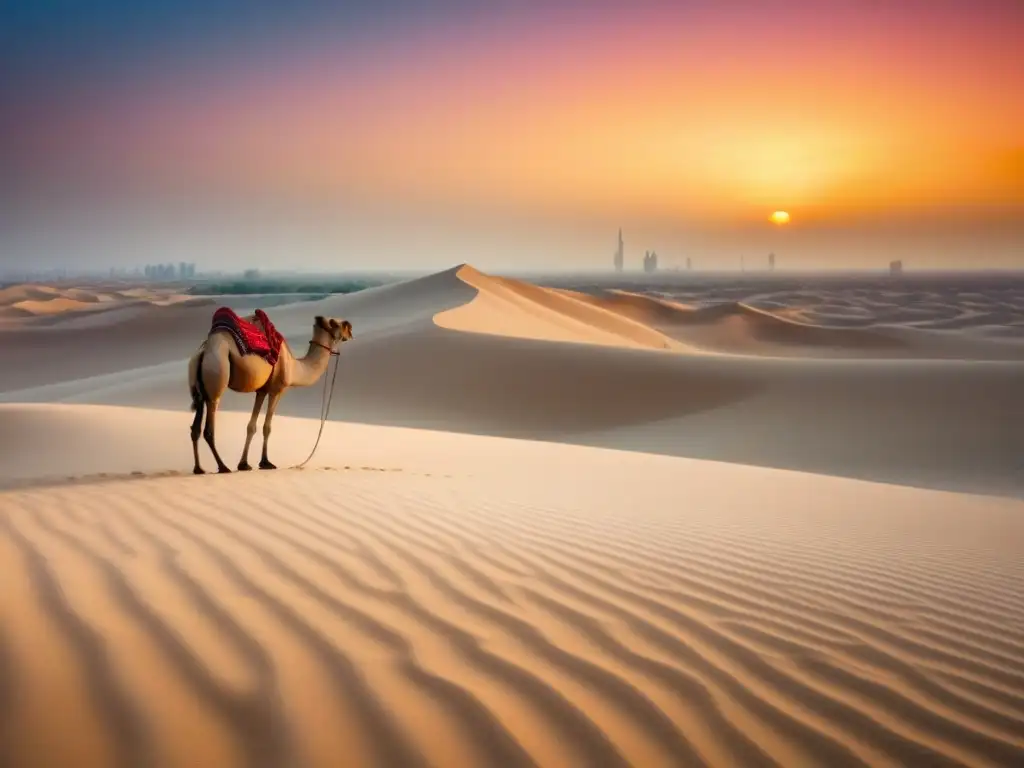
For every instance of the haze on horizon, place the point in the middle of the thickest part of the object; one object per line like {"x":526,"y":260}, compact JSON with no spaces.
{"x":518,"y":136}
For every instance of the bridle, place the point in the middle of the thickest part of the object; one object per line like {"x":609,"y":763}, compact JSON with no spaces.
{"x":333,"y":352}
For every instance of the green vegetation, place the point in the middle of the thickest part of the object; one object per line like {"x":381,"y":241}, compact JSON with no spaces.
{"x":248,"y":287}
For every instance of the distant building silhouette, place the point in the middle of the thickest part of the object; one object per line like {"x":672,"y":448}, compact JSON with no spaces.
{"x":771,"y":261}
{"x":689,"y":263}
{"x":619,"y":257}
{"x":170,"y":271}
{"x":650,"y":261}
{"x":896,"y":268}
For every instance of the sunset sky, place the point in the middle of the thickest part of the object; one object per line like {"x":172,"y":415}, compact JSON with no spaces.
{"x":416,"y":134}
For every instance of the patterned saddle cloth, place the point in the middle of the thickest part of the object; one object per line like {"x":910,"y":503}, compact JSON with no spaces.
{"x":259,"y":338}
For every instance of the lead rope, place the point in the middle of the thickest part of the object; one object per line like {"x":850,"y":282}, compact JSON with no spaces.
{"x":325,"y":408}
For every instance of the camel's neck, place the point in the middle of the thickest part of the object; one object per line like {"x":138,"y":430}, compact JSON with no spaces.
{"x":308,"y":370}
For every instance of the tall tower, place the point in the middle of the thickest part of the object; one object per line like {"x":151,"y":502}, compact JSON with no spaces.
{"x":771,"y":261}
{"x":619,"y":253}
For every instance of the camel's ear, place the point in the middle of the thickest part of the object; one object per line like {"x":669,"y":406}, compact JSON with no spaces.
{"x":334,"y":323}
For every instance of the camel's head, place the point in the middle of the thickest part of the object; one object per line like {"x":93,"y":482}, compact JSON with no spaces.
{"x":337,"y":330}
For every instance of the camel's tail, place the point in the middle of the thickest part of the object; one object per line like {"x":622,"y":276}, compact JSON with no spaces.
{"x":195,"y":383}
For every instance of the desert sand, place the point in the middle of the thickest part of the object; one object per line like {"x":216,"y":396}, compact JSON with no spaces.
{"x":544,"y":527}
{"x":44,"y":304}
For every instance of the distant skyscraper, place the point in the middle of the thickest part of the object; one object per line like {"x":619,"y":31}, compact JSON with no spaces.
{"x":619,"y":257}
{"x":771,"y":261}
{"x":689,"y":263}
{"x":650,"y":262}
{"x":896,"y":268}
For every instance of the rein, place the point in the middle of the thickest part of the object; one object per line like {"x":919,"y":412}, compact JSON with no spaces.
{"x":325,"y":401}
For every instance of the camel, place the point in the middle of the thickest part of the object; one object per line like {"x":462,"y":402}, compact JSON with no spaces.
{"x":219,"y":365}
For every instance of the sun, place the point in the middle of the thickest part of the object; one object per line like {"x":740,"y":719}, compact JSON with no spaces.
{"x":780,"y":217}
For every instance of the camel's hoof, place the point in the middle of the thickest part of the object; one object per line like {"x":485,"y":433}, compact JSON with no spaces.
{"x":244,"y":466}
{"x":223,"y":470}
{"x":198,"y":471}
{"x":267,"y":465}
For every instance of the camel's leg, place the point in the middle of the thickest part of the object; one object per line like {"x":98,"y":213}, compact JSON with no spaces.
{"x":208,"y":432}
{"x":250,"y":430}
{"x":197,"y":424}
{"x":214,"y":373}
{"x":196,"y":390}
{"x":271,"y":406}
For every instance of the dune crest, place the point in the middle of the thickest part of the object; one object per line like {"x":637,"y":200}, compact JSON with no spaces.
{"x":507,"y":307}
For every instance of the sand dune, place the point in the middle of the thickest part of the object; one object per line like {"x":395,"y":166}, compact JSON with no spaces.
{"x":26,"y":292}
{"x":33,"y":306}
{"x":950,"y":424}
{"x":777,"y":330}
{"x":739,"y":327}
{"x":414,"y":602}
{"x":432,"y":598}
{"x":516,"y":308}
{"x":52,"y":306}
{"x":846,"y":316}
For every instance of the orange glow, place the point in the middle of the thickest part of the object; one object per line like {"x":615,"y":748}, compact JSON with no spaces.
{"x":644,"y":117}
{"x":780,"y":217}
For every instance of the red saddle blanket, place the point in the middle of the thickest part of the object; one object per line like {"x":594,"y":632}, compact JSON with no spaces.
{"x":251,"y":339}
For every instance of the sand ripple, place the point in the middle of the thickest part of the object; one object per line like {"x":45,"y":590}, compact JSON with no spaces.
{"x":325,"y":618}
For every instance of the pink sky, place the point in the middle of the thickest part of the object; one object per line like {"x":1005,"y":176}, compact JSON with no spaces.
{"x":847,"y":114}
